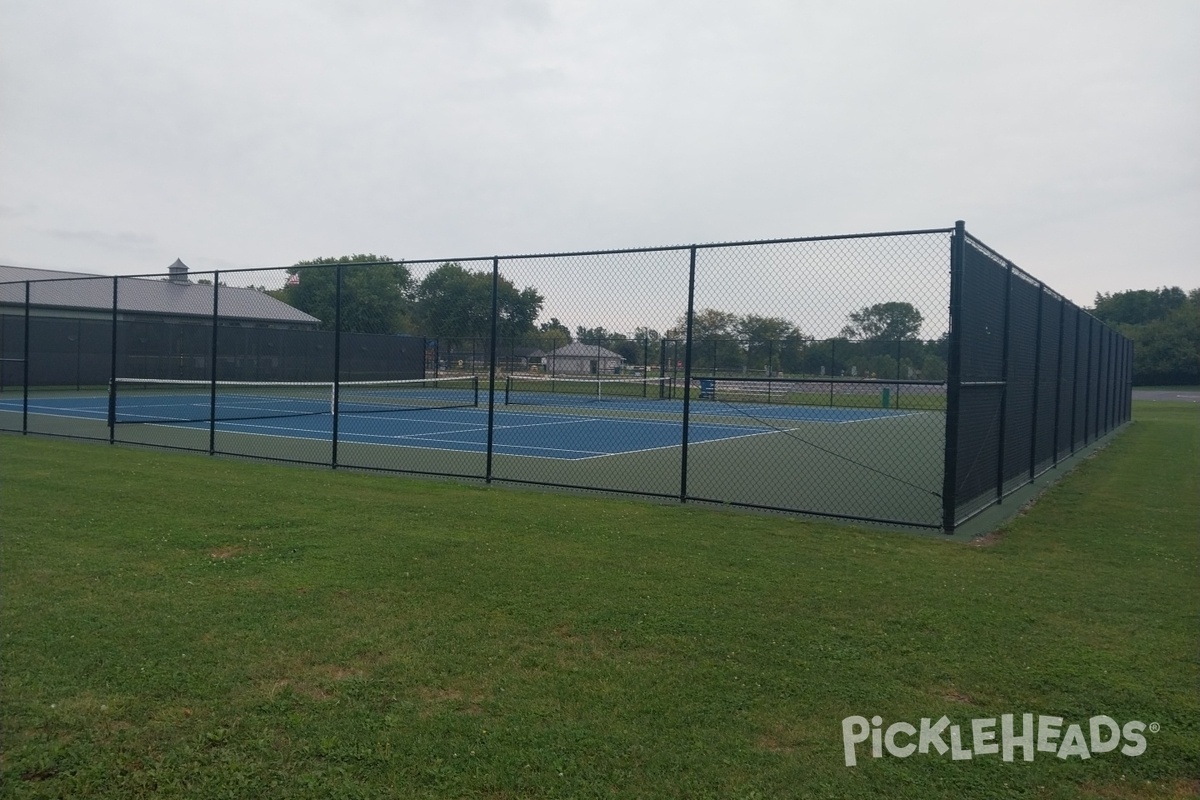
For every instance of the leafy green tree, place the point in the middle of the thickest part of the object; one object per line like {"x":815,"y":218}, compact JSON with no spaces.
{"x":715,"y":345}
{"x":647,"y":335}
{"x":1139,"y":306}
{"x":649,"y":342}
{"x":376,"y":292}
{"x":770,"y":343}
{"x":456,"y":303}
{"x":619,"y":343}
{"x":1167,"y":351}
{"x":553,"y":334}
{"x":598,"y":335}
{"x":1164,"y":325}
{"x":884,"y":322}
{"x":933,"y":367}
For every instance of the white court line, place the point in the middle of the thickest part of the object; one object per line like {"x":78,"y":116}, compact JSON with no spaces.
{"x":432,"y":436}
{"x":369,"y":438}
{"x":69,"y":413}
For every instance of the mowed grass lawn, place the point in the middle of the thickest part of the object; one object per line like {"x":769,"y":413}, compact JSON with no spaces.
{"x":178,"y":626}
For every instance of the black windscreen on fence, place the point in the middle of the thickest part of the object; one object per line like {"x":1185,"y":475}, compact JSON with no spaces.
{"x":981,"y":341}
{"x":1066,"y":383}
{"x":1039,"y":380}
{"x":910,"y":378}
{"x":1020,"y":377}
{"x":1046,"y":413}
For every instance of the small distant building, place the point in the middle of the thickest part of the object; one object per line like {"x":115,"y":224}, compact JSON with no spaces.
{"x":521,"y":358}
{"x":582,"y":359}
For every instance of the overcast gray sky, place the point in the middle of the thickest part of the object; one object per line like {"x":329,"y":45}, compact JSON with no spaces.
{"x":236,"y":133}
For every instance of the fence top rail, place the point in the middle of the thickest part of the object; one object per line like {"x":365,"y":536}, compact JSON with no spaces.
{"x":527,"y":256}
{"x":718,"y":245}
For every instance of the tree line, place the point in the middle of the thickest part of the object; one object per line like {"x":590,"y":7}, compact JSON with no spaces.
{"x":454,"y":304}
{"x":1164,"y":325}
{"x":379,"y":295}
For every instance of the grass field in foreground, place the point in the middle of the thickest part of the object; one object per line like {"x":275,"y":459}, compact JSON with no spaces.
{"x":178,"y":626}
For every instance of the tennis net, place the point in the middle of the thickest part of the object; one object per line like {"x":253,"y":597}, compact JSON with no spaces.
{"x":136,"y":400}
{"x":536,"y":390}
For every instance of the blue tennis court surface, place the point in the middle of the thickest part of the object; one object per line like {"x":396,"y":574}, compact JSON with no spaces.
{"x":571,"y":434}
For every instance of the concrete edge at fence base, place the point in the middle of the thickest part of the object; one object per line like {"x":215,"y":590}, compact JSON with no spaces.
{"x":996,"y":516}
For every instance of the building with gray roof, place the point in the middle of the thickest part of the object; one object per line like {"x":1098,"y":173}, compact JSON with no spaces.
{"x":78,"y":295}
{"x":164,"y":329}
{"x":583,"y":359}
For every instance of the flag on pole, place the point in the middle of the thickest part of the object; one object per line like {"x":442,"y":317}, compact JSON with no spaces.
{"x":293,"y":279}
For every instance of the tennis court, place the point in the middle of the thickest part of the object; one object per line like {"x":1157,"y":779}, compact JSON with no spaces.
{"x":767,"y":445}
{"x":776,"y":451}
{"x":556,"y":423}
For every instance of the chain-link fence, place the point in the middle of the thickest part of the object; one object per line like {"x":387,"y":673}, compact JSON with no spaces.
{"x":910,"y":378}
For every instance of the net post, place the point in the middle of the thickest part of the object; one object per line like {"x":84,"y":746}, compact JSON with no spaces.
{"x":832,"y":363}
{"x":212,"y":370}
{"x":491,"y":424}
{"x":112,"y":408}
{"x":646,"y":366}
{"x":953,"y":379}
{"x":687,"y":374}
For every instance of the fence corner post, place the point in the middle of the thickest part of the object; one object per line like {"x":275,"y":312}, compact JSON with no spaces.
{"x":953,"y":377}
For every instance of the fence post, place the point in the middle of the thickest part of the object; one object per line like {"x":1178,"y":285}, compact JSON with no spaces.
{"x":1075,"y":381}
{"x":337,"y":365}
{"x":687,"y":374}
{"x":491,"y":425}
{"x":112,"y":371}
{"x":212,"y":371}
{"x":1008,"y":275}
{"x":25,"y":367}
{"x":1087,"y":390}
{"x":1110,"y":391}
{"x":1037,"y":387}
{"x":1127,"y":385}
{"x":958,"y":246}
{"x":1062,"y":321}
